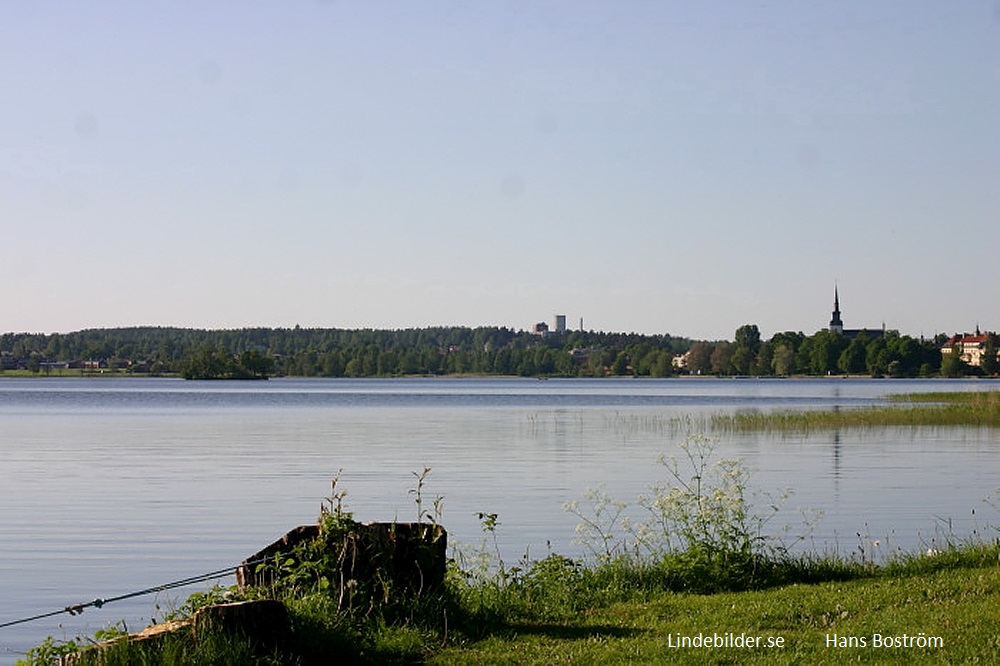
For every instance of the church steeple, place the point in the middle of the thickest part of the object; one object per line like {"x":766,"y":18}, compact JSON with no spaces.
{"x":836,"y":325}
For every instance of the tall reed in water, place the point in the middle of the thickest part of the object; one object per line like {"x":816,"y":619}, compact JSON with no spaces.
{"x":980,"y":409}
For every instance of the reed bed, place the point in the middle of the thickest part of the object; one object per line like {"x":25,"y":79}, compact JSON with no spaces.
{"x":973,"y":409}
{"x":986,"y":398}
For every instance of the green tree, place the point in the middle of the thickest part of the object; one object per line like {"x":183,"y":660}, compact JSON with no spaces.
{"x":989,"y":363}
{"x":952,"y":364}
{"x":409,"y":363}
{"x":852,"y":359}
{"x":503,"y":363}
{"x":208,"y":363}
{"x":34,"y":363}
{"x":740,"y":360}
{"x":332,"y":364}
{"x":662,"y":365}
{"x":700,"y":358}
{"x":526,"y":366}
{"x":877,"y":357}
{"x":354,"y":368}
{"x":905,"y":355}
{"x":827,"y":346}
{"x":369,"y":360}
{"x":784,"y":360}
{"x":746,"y":345}
{"x":545,"y":361}
{"x":564,"y":365}
{"x":387,"y":363}
{"x":620,"y":364}
{"x":256,"y":364}
{"x":764,"y":363}
{"x":722,"y":357}
{"x":803,"y":355}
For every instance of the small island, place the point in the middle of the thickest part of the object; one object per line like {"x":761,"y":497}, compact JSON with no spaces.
{"x":218,"y":363}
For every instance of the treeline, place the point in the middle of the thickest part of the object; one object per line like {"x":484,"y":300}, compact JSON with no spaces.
{"x":257,"y":352}
{"x":874,"y":353}
{"x":349,"y":352}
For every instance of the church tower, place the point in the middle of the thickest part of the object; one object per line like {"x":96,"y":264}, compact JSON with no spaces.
{"x":836,"y":325}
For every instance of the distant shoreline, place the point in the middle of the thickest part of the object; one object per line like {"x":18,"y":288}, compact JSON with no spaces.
{"x":108,"y":374}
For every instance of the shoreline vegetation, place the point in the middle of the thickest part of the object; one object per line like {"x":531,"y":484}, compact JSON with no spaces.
{"x":692,"y":570}
{"x":937,"y":608}
{"x":973,"y":409}
{"x":70,"y":373}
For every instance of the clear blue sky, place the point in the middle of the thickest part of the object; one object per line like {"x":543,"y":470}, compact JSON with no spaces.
{"x":659,"y":167}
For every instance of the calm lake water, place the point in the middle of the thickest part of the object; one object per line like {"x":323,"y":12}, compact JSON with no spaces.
{"x":116,"y":485}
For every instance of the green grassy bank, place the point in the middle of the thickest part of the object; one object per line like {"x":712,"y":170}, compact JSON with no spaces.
{"x":946,"y":616}
{"x":940,"y":608}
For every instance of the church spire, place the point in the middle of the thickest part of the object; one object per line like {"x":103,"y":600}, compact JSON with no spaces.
{"x":836,"y":325}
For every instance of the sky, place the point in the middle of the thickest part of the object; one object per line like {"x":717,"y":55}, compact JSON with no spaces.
{"x":654,"y":167}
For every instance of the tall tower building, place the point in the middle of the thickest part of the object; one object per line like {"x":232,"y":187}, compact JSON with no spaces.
{"x":836,"y":325}
{"x":560,"y":324}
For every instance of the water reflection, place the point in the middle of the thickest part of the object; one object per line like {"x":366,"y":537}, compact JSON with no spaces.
{"x":836,"y":463}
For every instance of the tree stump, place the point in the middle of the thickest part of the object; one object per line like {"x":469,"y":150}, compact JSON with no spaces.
{"x":254,"y":572}
{"x":264,"y":623}
{"x":410,"y":557}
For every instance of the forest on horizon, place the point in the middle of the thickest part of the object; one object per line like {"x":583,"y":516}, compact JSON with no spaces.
{"x":328,"y":352}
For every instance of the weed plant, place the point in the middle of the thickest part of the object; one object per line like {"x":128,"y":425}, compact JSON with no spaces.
{"x":705,"y":528}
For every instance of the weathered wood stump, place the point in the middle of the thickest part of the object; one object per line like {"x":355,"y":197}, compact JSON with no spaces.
{"x":256,"y":570}
{"x":414,"y":555}
{"x":374,"y":559}
{"x":410,"y":557}
{"x":264,"y":623}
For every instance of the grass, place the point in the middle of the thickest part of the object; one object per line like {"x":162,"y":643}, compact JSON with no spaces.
{"x":960,"y":606}
{"x":977,"y":409}
{"x":621,"y":613}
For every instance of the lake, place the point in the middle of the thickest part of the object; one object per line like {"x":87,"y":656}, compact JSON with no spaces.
{"x":112,"y":485}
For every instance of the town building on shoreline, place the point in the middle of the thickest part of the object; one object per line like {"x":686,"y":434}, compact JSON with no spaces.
{"x":971,"y":348}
